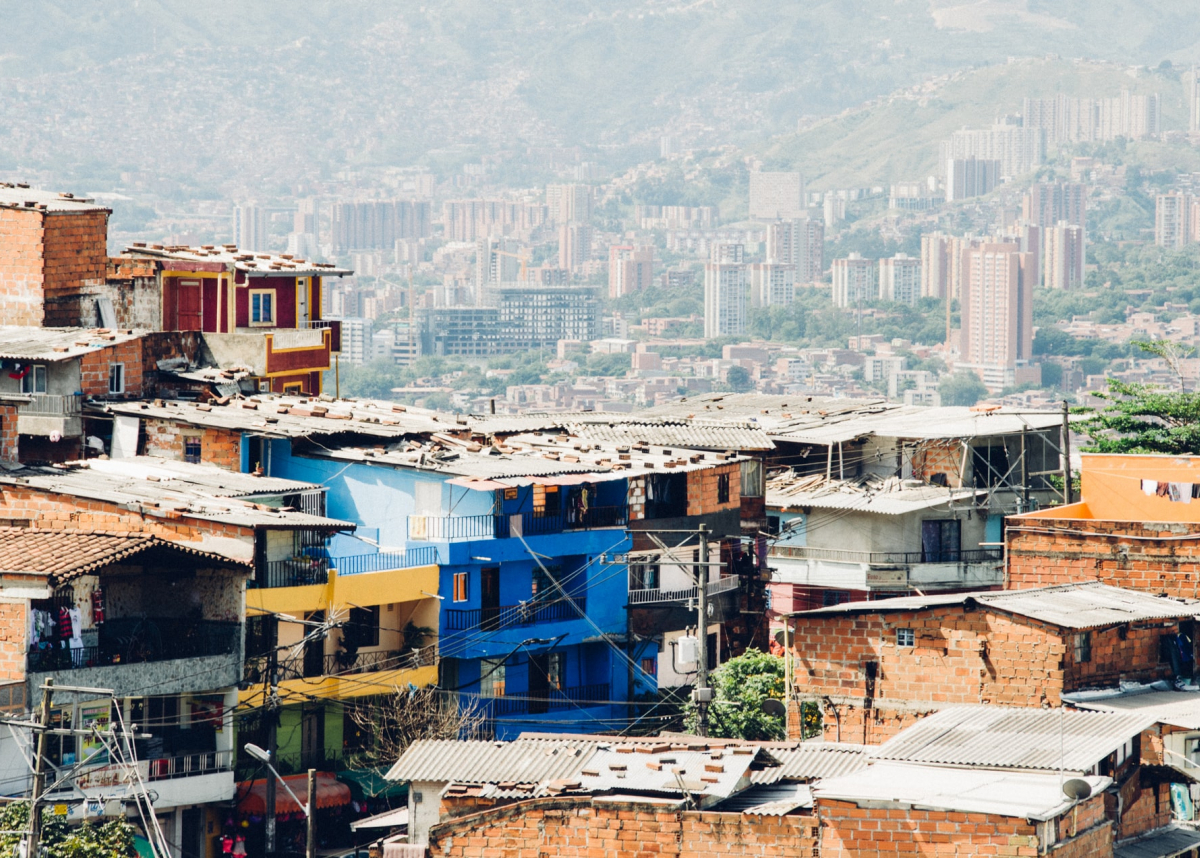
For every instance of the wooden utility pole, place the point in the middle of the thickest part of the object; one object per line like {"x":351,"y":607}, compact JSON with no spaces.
{"x":703,"y":692}
{"x":311,"y":816}
{"x":39,"y":773}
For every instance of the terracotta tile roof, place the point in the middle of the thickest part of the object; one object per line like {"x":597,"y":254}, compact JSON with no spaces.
{"x":65,"y":554}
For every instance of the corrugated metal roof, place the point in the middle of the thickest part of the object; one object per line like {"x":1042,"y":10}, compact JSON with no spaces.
{"x":279,"y":416}
{"x":1157,"y":701}
{"x":221,"y":482}
{"x":1088,"y":605}
{"x":520,"y":761}
{"x":1003,"y":792}
{"x":695,"y":435}
{"x":1166,"y":843}
{"x":10,"y":195}
{"x":812,"y":761}
{"x":262,"y":264}
{"x":1083,"y":605}
{"x":885,"y":497}
{"x":713,"y":773}
{"x":768,"y":800}
{"x":1020,"y":738}
{"x":56,"y":344}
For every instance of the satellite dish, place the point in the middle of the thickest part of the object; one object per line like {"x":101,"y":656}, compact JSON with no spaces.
{"x":774,"y":707}
{"x":779,"y":636}
{"x":1077,"y":789}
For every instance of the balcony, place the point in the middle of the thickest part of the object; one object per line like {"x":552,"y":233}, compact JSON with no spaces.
{"x":47,"y":413}
{"x":130,"y":641}
{"x":303,"y":570}
{"x":671,"y":597}
{"x":190,"y":765}
{"x":453,"y":528}
{"x":272,"y":351}
{"x":556,"y":700}
{"x":506,"y":616}
{"x":333,"y":325}
{"x":336,"y":664}
{"x":887,"y":570}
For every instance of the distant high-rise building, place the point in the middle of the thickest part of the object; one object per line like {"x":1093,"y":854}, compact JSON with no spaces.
{"x":676,"y":217}
{"x":569,"y":203}
{"x":935,"y":265}
{"x":1084,"y":120}
{"x":854,"y":280}
{"x":574,"y":245}
{"x":467,"y":220}
{"x":997,"y":311}
{"x":772,"y":283}
{"x":970,"y":177}
{"x":1173,"y":219}
{"x":725,"y":291}
{"x":1063,"y":253}
{"x":799,"y":242}
{"x":630,"y":269}
{"x":1192,"y":81}
{"x":379,"y":224}
{"x":833,"y":208}
{"x":776,"y":195}
{"x":1019,"y":150}
{"x":900,"y":279}
{"x":1047,"y":203}
{"x":1031,"y":239}
{"x":497,"y":260}
{"x":357,"y":340}
{"x":306,"y":218}
{"x":668,"y":146}
{"x":250,"y":228}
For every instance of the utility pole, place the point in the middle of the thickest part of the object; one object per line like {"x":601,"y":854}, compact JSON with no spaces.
{"x":271,"y":713}
{"x":787,"y":682}
{"x":311,"y":815}
{"x":703,"y":693}
{"x":39,"y":773}
{"x":1068,"y":491}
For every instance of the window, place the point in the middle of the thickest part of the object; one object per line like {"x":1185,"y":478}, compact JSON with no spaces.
{"x":722,"y":488}
{"x":262,"y":307}
{"x":191,"y":450}
{"x":752,"y":479}
{"x":116,"y":378}
{"x":294,"y":387}
{"x":460,"y":586}
{"x":905,"y":637}
{"x":643,"y":576}
{"x":545,"y":582}
{"x":555,"y":670}
{"x":1083,"y":647}
{"x":491,"y":677}
{"x":34,"y":380}
{"x":940,"y":541}
{"x":364,"y":626}
{"x":650,"y":666}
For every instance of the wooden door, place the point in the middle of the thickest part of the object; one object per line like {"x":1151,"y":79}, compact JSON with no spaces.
{"x":489,"y":599}
{"x":188,"y":296}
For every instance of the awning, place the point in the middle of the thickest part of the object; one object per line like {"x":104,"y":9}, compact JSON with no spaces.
{"x":1166,"y":843}
{"x":387,"y":819}
{"x":371,"y":784}
{"x":253,"y":794}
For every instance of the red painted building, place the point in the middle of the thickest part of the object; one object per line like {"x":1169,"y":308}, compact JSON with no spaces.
{"x":256,"y":310}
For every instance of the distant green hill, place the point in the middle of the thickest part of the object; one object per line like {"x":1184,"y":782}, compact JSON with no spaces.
{"x":898,"y":137}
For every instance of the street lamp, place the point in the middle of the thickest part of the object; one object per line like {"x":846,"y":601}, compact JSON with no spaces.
{"x":308,"y":807}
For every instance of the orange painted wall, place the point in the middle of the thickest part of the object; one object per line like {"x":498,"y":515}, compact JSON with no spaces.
{"x":1111,"y":489}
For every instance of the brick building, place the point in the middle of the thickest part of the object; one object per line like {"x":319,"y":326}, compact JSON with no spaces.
{"x":53,"y":250}
{"x":1124,"y":530}
{"x":878,"y":667}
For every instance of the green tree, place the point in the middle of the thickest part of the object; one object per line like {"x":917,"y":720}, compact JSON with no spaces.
{"x":1142,"y":418}
{"x":112,"y":839}
{"x":739,"y":378}
{"x":962,"y":388}
{"x":740,"y":686}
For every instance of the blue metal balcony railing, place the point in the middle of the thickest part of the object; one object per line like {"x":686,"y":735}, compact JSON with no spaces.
{"x":504,"y":616}
{"x":302,"y":569}
{"x":450,"y":528}
{"x":555,"y":700}
{"x":425,"y":555}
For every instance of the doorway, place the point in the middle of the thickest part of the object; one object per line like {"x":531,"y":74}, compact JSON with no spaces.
{"x":489,"y":598}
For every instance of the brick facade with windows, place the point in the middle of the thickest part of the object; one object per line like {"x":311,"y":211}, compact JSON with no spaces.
{"x":177,"y":441}
{"x":94,"y":370}
{"x":962,"y":654}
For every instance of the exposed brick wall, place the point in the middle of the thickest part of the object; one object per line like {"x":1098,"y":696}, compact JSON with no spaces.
{"x":1148,"y":809}
{"x":850,"y":831}
{"x":939,"y":457}
{"x":222,"y":447}
{"x":581,"y":828}
{"x":21,"y":269}
{"x":12,"y":640}
{"x":49,"y":511}
{"x":93,"y":369}
{"x":960,"y":657}
{"x":75,"y":253}
{"x":1147,"y":556}
{"x":702,"y":489}
{"x":8,"y":433}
